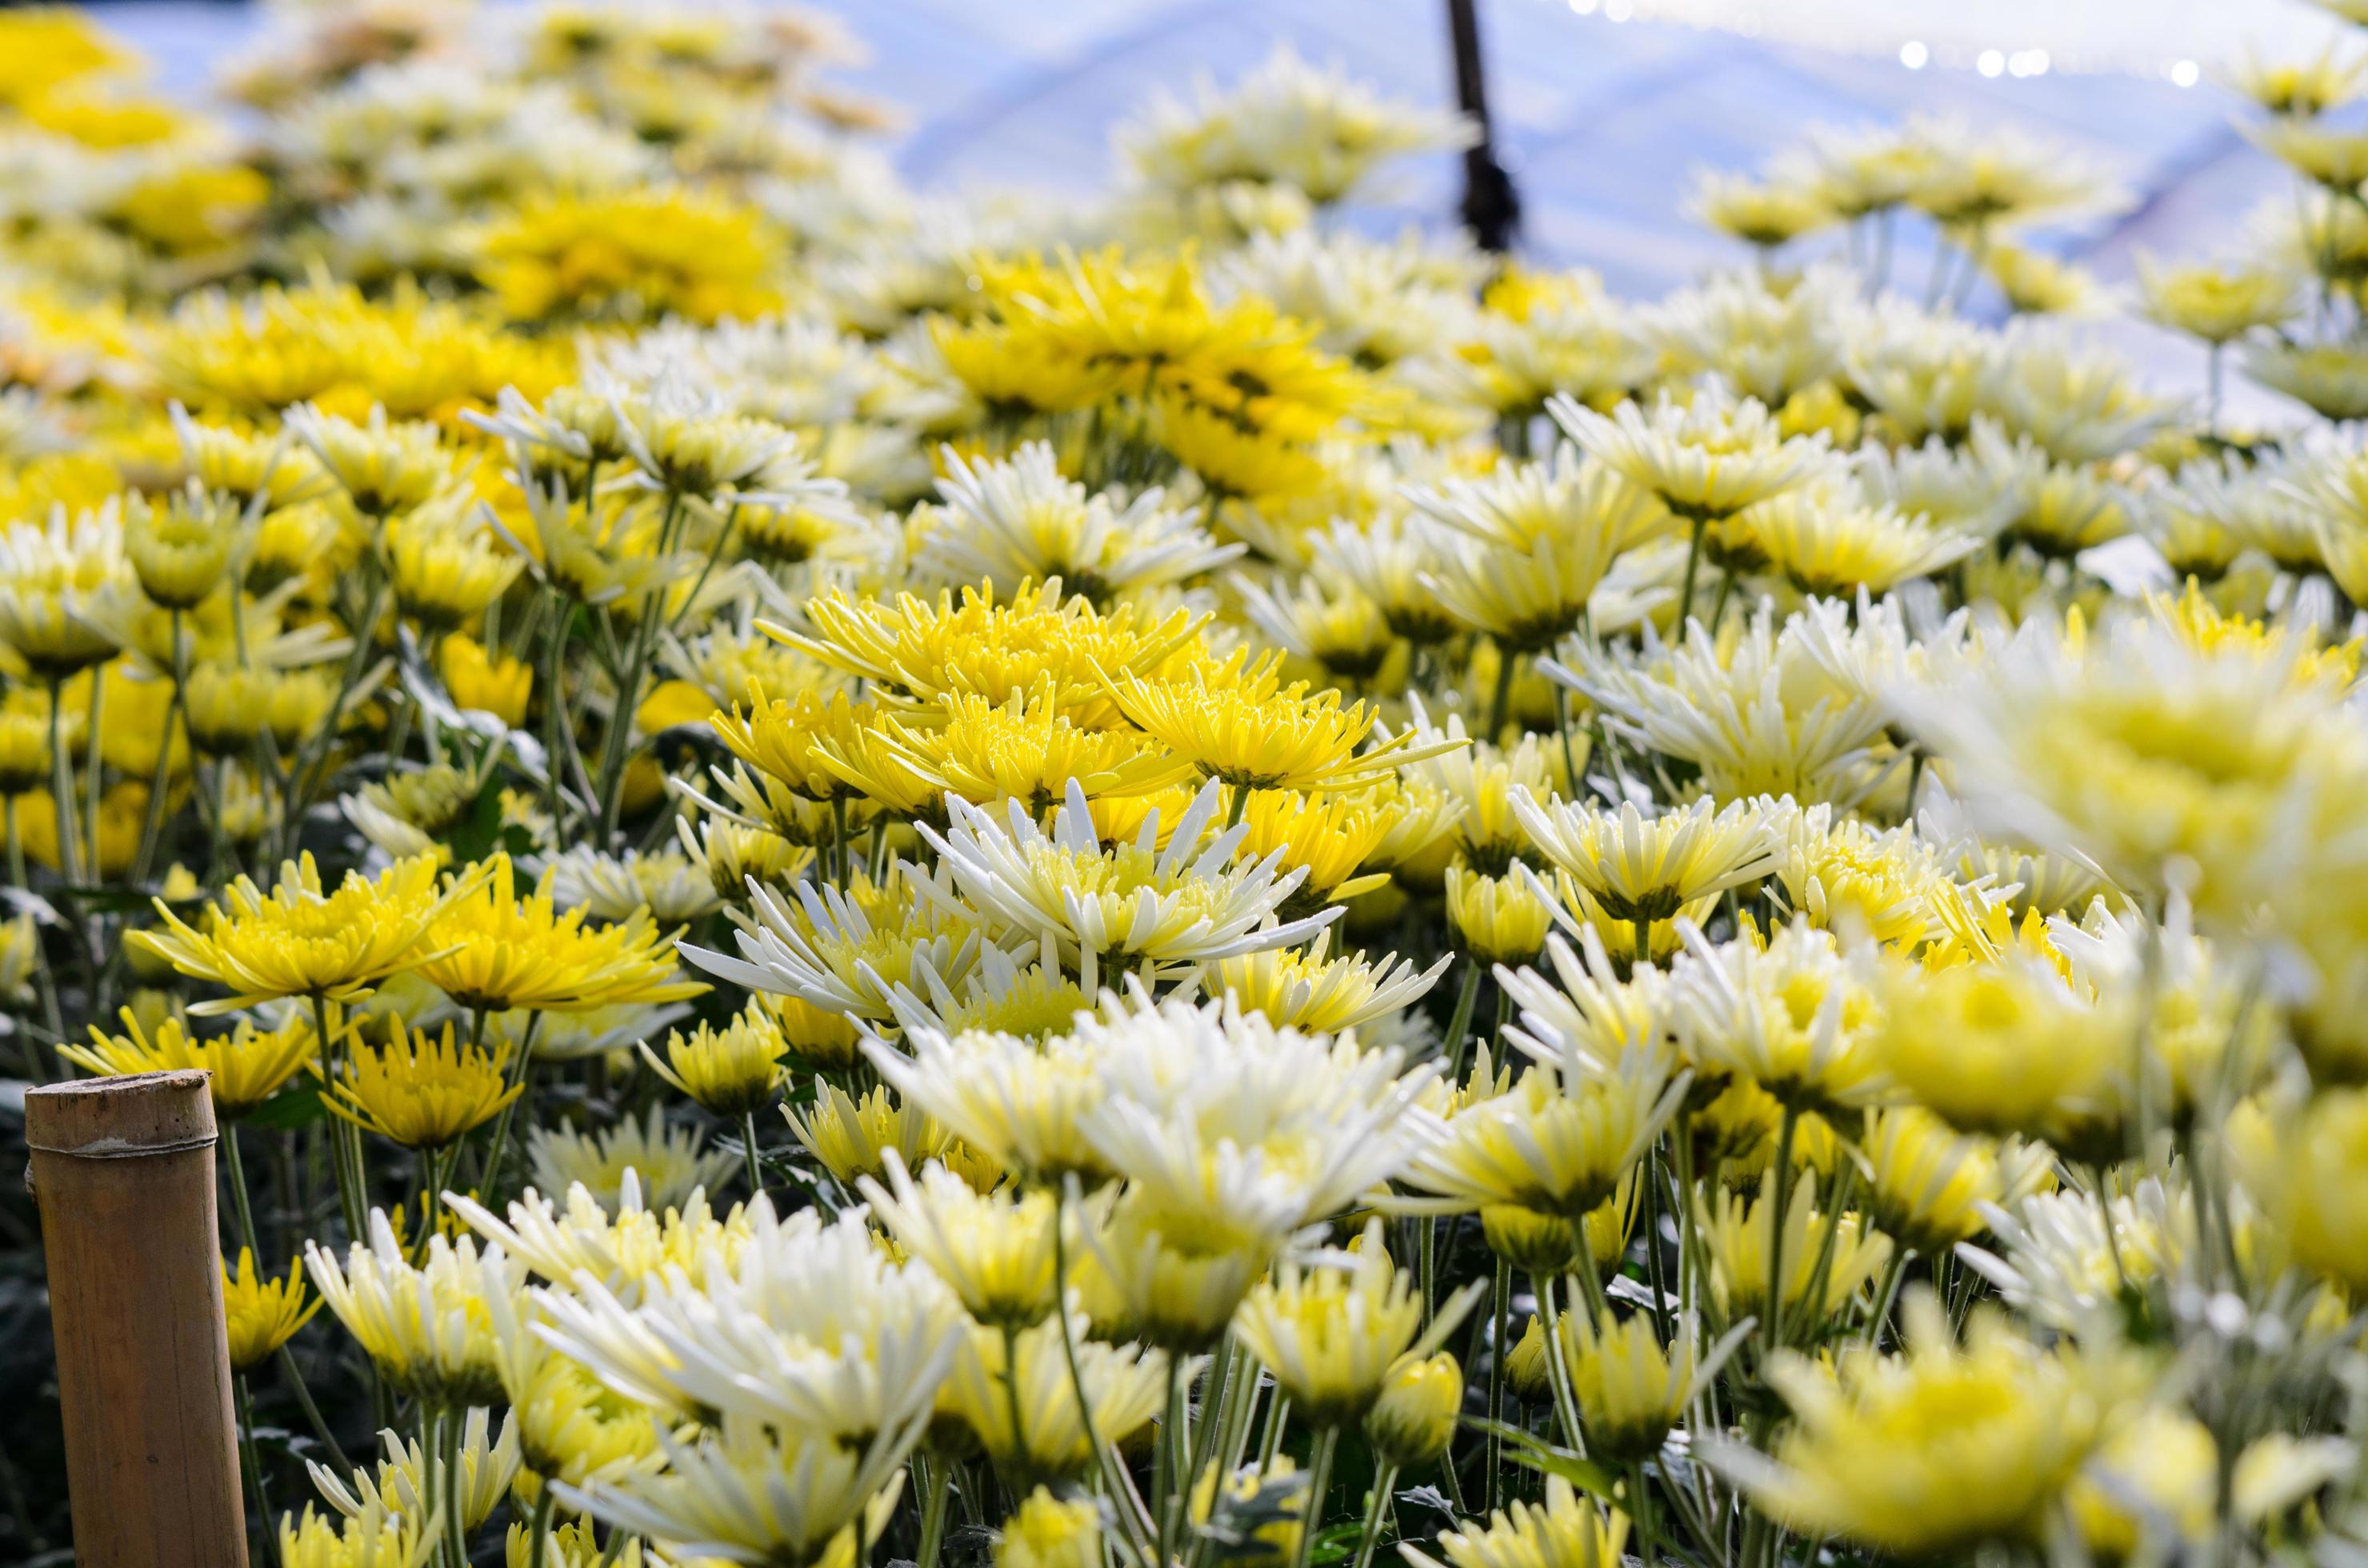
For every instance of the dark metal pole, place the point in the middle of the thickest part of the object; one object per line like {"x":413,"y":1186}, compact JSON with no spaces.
{"x":1491,"y":209}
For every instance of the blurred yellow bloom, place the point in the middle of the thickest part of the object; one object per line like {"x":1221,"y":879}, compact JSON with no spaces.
{"x":1942,"y":1448}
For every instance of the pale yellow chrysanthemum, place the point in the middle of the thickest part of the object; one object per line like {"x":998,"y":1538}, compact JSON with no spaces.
{"x":1330,"y":1335}
{"x":1940,"y":1450}
{"x":994,"y":1249}
{"x":1000,"y":1375}
{"x":424,"y":1327}
{"x":1567,"y":1531}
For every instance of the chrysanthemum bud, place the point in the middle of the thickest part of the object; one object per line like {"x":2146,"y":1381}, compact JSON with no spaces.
{"x":1046,"y":1531}
{"x":1414,"y":1415}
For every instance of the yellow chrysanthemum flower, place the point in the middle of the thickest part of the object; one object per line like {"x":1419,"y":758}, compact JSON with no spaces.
{"x":1246,"y":730}
{"x":263,"y":1313}
{"x":245,"y":1067}
{"x":491,"y":950}
{"x":301,"y":940}
{"x":422,"y":1089}
{"x":1046,"y":1531}
{"x":732,"y":1070}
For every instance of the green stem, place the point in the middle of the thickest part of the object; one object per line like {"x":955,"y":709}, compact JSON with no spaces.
{"x":151,"y":821}
{"x":1241,"y":802}
{"x":456,"y":1529}
{"x":1693,"y":560}
{"x":554,"y":705}
{"x":1501,"y":1287}
{"x":312,"y":1412}
{"x":1565,"y":1398}
{"x":1114,"y":1487}
{"x":1640,"y":1508}
{"x":1502,"y":699}
{"x":538,"y":1539}
{"x":755,"y":1170}
{"x":61,"y":790}
{"x":94,"y":770}
{"x":240,"y":1206}
{"x":345,"y":1137}
{"x":488,"y":1190}
{"x":1459,"y":1023}
{"x":1375,"y":1506}
{"x":1878,"y":1316}
{"x":1168,"y":1460}
{"x":1319,"y":1483}
{"x":619,"y":747}
{"x":251,"y":1460}
{"x":1655,"y":1267}
{"x":1778,"y":1197}
{"x":297,"y":786}
{"x":1022,"y":1465}
{"x":940,"y":1474}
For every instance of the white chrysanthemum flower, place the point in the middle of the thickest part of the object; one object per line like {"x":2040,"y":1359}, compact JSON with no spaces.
{"x":1753,"y":712}
{"x":1016,"y":520}
{"x":828,"y":953}
{"x":1247,"y":1130}
{"x":1593,"y":1019}
{"x":411,"y":1482}
{"x":2330,"y":379}
{"x":2057,"y":1261}
{"x":749,"y":1491}
{"x":1705,"y":460}
{"x":2078,"y":402}
{"x":1374,"y":301}
{"x":811,"y":1328}
{"x":615,"y":887}
{"x":1316,"y":994}
{"x":630,"y":1161}
{"x":1017,"y":1101}
{"x":1525,"y":547}
{"x":1390,"y":562}
{"x":1798,"y":1016}
{"x":1643,"y":869}
{"x":1285,"y":122}
{"x":1922,"y":373}
{"x":1822,"y":541}
{"x":1122,"y":1386}
{"x":619,"y":1251}
{"x":1193,"y":902}
{"x":1945,"y":485}
{"x":1765,"y":342}
{"x":422,"y":1325}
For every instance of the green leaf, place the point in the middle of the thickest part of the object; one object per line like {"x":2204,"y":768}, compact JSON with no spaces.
{"x":297,"y":1105}
{"x":1548,"y":1458}
{"x":480,"y":832}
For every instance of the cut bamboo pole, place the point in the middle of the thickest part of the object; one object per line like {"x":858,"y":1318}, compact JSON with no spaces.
{"x":124,"y":1172}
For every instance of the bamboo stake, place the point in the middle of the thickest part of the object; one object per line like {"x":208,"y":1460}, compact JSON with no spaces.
{"x":124,"y":1172}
